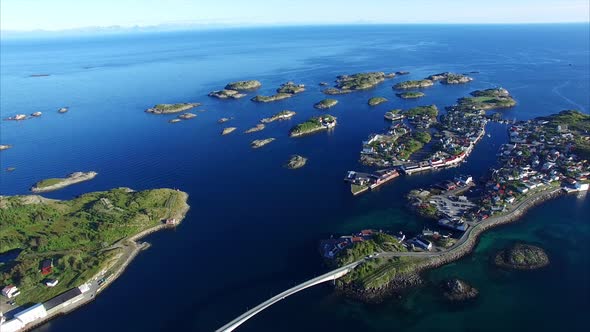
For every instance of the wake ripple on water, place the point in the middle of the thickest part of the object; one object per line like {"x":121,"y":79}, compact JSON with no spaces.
{"x":556,"y":91}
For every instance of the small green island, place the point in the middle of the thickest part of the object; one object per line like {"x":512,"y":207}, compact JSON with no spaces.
{"x":282,"y":115}
{"x":325,"y":104}
{"x":522,"y":257}
{"x":488,"y":99}
{"x":406,"y":85}
{"x":256,"y":144}
{"x":76,"y":242}
{"x":172,"y":108}
{"x":226,"y":94}
{"x":243,"y":85}
{"x":268,"y":99}
{"x":314,"y":124}
{"x":411,"y":95}
{"x":59,"y":183}
{"x":360,"y":81}
{"x":377,"y":101}
{"x":296,"y":161}
{"x":450,"y":78}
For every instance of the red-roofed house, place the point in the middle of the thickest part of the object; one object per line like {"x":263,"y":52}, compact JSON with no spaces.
{"x":46,"y":266}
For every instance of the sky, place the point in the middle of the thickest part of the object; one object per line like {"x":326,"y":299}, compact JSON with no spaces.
{"x":55,"y":15}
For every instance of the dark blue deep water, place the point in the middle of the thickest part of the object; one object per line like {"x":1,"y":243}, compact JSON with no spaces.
{"x":254,"y":226}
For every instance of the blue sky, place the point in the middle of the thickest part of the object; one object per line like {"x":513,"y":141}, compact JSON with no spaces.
{"x":23,"y":15}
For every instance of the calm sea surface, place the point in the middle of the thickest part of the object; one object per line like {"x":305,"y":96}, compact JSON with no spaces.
{"x":254,"y":226}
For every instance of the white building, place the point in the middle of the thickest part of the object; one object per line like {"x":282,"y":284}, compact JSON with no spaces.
{"x":51,"y":282}
{"x":12,"y":325}
{"x":424,"y":243}
{"x":10,"y":291}
{"x":581,"y":186}
{"x":31,"y":314}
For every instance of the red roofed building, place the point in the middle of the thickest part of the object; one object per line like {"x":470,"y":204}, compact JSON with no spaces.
{"x":357,"y":239}
{"x":366,"y":232}
{"x":46,"y":266}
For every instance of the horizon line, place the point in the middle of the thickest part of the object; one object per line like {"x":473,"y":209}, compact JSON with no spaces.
{"x":169,"y":27}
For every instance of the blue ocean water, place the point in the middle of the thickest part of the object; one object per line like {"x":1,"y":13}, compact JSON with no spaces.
{"x":254,"y":226}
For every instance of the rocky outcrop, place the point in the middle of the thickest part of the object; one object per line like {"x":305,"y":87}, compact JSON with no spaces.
{"x":261,"y":142}
{"x":296,"y":161}
{"x":396,"y":286}
{"x":268,"y":99}
{"x":256,"y":128}
{"x":187,"y":116}
{"x":522,"y":257}
{"x":228,"y":130}
{"x":171,"y":108}
{"x":243,"y":85}
{"x":458,"y":290}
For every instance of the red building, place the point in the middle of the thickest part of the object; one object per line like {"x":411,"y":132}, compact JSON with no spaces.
{"x":46,"y":266}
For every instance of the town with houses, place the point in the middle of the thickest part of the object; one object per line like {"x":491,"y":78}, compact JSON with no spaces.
{"x":540,"y":157}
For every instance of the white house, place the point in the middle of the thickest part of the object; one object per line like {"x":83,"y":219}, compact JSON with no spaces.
{"x":51,"y":282}
{"x":581,"y":186}
{"x":10,"y":291}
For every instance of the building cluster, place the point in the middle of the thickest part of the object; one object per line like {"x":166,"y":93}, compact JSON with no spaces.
{"x":459,"y":131}
{"x":24,"y":319}
{"x":537,"y":157}
{"x":383,"y":150}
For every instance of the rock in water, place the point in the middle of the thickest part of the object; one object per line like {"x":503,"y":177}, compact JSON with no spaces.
{"x":296,"y":161}
{"x":522,"y":257}
{"x":458,"y":290}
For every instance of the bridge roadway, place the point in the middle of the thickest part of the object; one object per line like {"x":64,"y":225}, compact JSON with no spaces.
{"x":332,"y":275}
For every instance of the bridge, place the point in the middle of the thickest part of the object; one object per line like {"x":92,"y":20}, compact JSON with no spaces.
{"x":332,"y":275}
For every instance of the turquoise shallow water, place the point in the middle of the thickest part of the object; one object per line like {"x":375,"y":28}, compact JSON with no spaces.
{"x":254,"y":226}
